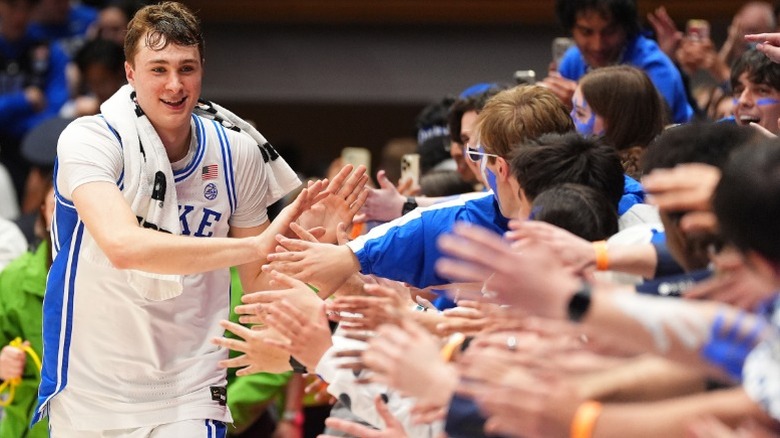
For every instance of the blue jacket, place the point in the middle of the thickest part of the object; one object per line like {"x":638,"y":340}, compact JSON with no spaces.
{"x":405,"y":249}
{"x":643,"y":53}
{"x":633,"y":193}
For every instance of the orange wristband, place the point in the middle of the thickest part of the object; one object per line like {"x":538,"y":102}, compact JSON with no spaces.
{"x":455,"y":341}
{"x":602,"y":261}
{"x":585,"y":419}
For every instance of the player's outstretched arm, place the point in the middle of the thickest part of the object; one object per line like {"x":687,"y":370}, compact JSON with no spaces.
{"x":114,"y":227}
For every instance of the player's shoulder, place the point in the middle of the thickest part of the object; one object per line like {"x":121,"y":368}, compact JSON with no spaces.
{"x":88,"y":130}
{"x":90,"y":125}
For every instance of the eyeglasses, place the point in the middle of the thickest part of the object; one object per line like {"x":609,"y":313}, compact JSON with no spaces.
{"x":476,"y":155}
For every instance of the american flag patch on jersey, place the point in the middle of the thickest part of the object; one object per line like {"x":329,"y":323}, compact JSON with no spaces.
{"x":210,"y":172}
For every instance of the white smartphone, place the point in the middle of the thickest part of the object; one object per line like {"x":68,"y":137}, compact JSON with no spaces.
{"x":356,"y":157}
{"x":410,"y":168}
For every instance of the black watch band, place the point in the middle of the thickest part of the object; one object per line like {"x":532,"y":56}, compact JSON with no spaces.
{"x":409,"y":205}
{"x":579,"y":303}
{"x":297,"y":367}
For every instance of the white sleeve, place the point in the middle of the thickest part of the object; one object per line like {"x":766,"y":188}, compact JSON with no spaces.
{"x":87,"y":151}
{"x":9,"y":206}
{"x":12,"y":242}
{"x":251,"y":183}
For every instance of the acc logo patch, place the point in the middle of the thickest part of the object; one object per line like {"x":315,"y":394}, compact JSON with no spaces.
{"x":210,"y":191}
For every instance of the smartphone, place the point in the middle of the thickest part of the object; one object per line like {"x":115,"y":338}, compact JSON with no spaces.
{"x":356,"y":157}
{"x":410,"y":168}
{"x":697,"y":29}
{"x":525,"y":77}
{"x":559,"y":47}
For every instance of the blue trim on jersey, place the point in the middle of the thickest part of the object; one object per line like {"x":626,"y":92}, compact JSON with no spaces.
{"x":58,"y":322}
{"x":65,"y":217}
{"x":227,"y":164}
{"x":57,"y":195}
{"x":215,"y":429}
{"x":54,"y":232}
{"x":59,"y":288}
{"x":121,"y":181}
{"x":200,"y":152}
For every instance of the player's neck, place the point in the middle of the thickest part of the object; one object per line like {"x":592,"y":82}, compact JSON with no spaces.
{"x":176,"y":143}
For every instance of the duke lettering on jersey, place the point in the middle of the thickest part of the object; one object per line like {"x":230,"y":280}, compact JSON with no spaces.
{"x":201,"y":221}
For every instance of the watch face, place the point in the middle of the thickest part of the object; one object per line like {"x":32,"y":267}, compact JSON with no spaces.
{"x":579,"y":304}
{"x":409,"y":205}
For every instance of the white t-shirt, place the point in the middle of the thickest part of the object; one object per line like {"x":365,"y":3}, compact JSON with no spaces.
{"x":9,"y":205}
{"x":12,"y":242}
{"x":113,"y":358}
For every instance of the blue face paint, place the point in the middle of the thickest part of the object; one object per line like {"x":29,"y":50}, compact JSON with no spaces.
{"x":767,"y":101}
{"x":534,"y":211}
{"x":488,"y":177}
{"x":583,"y":128}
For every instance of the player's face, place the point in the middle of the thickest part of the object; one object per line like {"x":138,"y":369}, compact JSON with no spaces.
{"x":599,"y":39}
{"x":167,"y":84}
{"x":756,"y":103}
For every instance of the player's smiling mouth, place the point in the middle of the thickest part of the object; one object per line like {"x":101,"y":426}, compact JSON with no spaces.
{"x":174,"y":103}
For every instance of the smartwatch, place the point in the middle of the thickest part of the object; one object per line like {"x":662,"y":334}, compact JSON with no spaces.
{"x":579,"y":303}
{"x":409,"y":205}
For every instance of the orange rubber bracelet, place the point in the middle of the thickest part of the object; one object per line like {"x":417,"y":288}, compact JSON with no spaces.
{"x":357,"y":230}
{"x":602,"y":261}
{"x":455,"y":341}
{"x":585,"y":419}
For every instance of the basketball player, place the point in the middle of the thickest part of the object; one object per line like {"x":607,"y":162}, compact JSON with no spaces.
{"x":154,"y":202}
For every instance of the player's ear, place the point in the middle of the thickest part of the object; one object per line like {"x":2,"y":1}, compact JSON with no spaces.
{"x":130,"y":74}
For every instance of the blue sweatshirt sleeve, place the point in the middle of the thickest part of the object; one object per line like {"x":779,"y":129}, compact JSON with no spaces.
{"x":403,"y":250}
{"x":12,"y":106}
{"x":56,"y":89}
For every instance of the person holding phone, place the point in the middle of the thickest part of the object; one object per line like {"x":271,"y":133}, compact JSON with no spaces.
{"x":607,"y":33}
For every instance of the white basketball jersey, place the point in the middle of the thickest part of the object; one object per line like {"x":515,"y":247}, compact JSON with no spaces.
{"x":113,"y":358}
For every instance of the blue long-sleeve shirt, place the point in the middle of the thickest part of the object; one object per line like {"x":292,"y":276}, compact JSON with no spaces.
{"x":39,"y":64}
{"x":405,"y":249}
{"x":643,"y":53}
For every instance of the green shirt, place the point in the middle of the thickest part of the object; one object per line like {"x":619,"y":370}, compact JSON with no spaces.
{"x":249,"y":396}
{"x":22,"y":284}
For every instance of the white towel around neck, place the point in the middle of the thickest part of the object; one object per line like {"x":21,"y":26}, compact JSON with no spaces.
{"x":145,"y":160}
